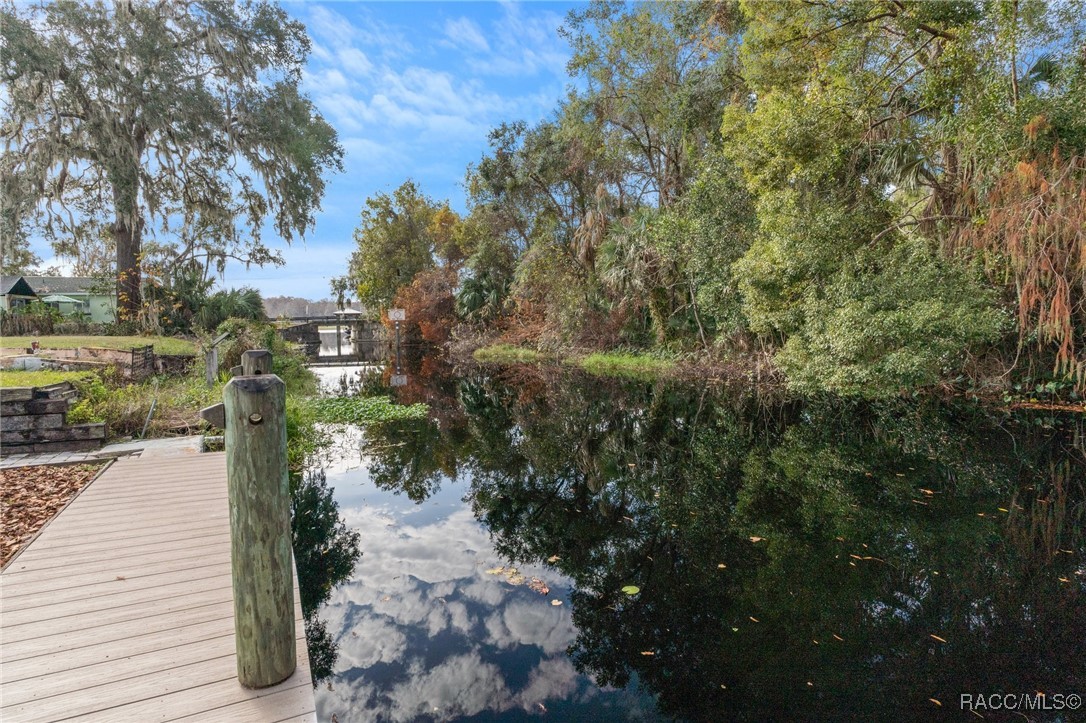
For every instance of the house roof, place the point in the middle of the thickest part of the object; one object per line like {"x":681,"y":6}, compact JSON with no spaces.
{"x":15,"y":285}
{"x":64,"y":284}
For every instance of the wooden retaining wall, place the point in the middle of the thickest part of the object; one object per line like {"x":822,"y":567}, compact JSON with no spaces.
{"x":32,"y":419}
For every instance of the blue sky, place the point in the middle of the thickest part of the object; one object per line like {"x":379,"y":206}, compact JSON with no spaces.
{"x":412,"y":89}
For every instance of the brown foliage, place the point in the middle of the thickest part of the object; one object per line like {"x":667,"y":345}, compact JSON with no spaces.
{"x":429,"y":305}
{"x":1034,"y":238}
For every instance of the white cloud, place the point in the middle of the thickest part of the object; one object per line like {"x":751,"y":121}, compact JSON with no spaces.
{"x":370,"y":640}
{"x":372,"y":154}
{"x":524,"y":45}
{"x":465,"y":33}
{"x":329,"y":27}
{"x":354,"y":61}
{"x":463,"y":685}
{"x":523,"y":623}
{"x":552,"y":678}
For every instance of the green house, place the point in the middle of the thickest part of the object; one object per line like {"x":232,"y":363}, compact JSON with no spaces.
{"x":77,"y":295}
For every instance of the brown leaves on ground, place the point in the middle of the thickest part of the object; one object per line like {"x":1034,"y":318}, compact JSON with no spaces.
{"x":30,"y":496}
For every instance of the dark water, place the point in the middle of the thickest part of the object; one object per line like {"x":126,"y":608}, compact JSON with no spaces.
{"x":824,"y":560}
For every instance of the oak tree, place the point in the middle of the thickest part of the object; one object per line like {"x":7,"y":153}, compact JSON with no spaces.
{"x":183,"y":118}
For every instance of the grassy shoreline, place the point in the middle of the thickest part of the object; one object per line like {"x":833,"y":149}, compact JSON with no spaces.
{"x":627,"y":364}
{"x":169,"y":345}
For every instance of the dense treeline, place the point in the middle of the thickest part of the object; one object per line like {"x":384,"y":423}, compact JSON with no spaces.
{"x":881,"y":195}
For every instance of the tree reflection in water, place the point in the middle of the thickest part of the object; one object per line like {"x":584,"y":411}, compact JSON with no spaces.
{"x":824,"y":560}
{"x":325,"y":553}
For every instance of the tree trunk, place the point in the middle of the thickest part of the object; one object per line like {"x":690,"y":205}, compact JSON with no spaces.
{"x":659,"y":313}
{"x":126,"y":234}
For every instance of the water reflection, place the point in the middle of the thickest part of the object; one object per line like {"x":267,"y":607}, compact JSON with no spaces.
{"x":818,"y":561}
{"x":325,"y":553}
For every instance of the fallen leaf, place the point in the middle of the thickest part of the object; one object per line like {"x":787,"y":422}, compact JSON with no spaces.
{"x":553,"y":558}
{"x":647,"y":652}
{"x":936,"y":637}
{"x":756,"y":539}
{"x":838,"y":637}
{"x":936,"y":702}
{"x":556,"y":603}
{"x":721,"y":566}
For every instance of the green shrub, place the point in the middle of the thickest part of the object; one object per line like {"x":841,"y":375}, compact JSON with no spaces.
{"x":900,"y":322}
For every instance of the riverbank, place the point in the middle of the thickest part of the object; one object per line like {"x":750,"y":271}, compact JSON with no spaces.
{"x":753,"y":370}
{"x":634,"y":364}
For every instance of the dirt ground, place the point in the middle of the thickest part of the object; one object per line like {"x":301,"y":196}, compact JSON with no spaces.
{"x":30,"y":496}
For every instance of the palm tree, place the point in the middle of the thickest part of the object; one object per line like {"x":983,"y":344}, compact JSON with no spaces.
{"x":633,"y":267}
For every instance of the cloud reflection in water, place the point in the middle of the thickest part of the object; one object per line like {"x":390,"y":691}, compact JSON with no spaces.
{"x":424,"y":632}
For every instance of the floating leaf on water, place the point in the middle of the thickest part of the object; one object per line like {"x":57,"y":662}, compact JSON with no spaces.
{"x":495,"y":571}
{"x":556,"y":603}
{"x":838,"y":637}
{"x":735,"y":630}
{"x":721,"y":566}
{"x":754,"y":619}
{"x":647,"y":652}
{"x":933,"y":700}
{"x":756,"y":539}
{"x":936,"y":637}
{"x":631,"y":589}
{"x":515,"y":579}
{"x":553,"y":558}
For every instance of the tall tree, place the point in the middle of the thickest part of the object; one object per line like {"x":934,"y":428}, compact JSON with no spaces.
{"x":656,"y":77}
{"x":400,"y":235}
{"x":187,"y":115}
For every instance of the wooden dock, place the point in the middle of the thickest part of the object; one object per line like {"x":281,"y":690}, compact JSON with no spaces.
{"x":122,"y":609}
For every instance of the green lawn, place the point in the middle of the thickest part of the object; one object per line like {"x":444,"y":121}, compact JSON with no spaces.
{"x":41,"y":378}
{"x":163,"y":344}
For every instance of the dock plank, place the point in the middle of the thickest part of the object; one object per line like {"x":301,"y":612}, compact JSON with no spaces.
{"x":122,"y":609}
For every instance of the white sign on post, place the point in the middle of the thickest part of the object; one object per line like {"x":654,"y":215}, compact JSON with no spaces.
{"x":397,"y":315}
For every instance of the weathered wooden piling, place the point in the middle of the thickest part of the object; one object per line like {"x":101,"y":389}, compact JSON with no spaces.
{"x":256,"y":361}
{"x":256,"y":460}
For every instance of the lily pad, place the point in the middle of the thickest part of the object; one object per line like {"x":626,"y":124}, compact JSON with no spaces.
{"x":631,"y":589}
